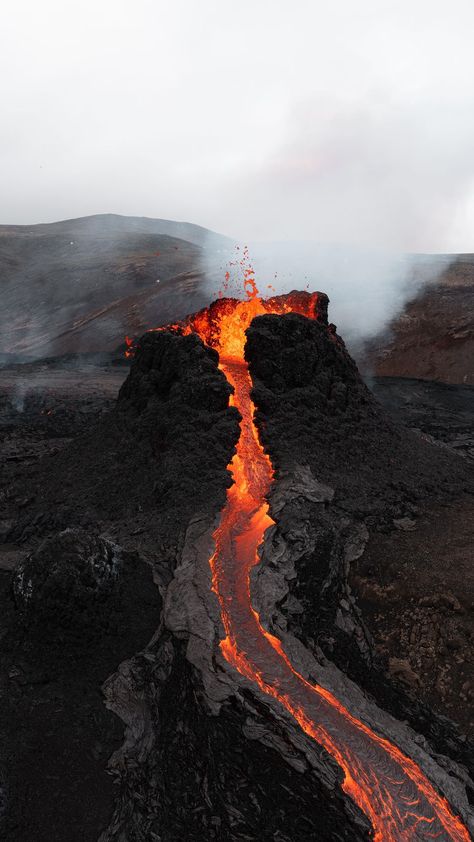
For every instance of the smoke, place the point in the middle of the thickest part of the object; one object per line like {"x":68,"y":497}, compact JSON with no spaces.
{"x":66,"y":288}
{"x":366,"y":288}
{"x":18,"y":395}
{"x":338,"y":134}
{"x":391,"y":175}
{"x":355,"y":192}
{"x":327,"y":122}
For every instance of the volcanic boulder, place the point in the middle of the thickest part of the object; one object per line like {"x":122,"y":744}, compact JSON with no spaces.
{"x":163,"y":449}
{"x":66,"y":582}
{"x":314,"y":408}
{"x":173,"y":369}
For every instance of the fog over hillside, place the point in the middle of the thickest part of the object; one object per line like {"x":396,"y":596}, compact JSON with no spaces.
{"x":328,"y":141}
{"x":81,"y":285}
{"x":348,"y":123}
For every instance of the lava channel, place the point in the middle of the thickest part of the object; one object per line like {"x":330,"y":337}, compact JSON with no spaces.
{"x":387,"y":786}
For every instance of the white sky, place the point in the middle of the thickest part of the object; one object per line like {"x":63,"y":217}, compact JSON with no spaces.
{"x":332,"y":121}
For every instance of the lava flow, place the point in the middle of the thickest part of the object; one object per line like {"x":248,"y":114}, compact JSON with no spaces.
{"x":387,"y":786}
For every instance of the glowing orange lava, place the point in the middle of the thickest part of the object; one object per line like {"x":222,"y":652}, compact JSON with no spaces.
{"x":388,"y":786}
{"x":129,"y":350}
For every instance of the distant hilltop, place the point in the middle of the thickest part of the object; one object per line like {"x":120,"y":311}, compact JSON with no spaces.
{"x":83,"y":284}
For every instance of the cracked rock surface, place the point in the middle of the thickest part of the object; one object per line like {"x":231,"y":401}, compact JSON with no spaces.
{"x":204,"y":754}
{"x":378,"y":471}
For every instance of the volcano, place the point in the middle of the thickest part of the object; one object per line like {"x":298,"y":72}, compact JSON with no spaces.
{"x":250,"y":458}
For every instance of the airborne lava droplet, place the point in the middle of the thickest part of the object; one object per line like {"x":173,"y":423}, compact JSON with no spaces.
{"x":129,"y":350}
{"x":389,"y":787}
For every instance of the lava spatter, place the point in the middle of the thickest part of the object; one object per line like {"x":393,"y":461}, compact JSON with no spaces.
{"x":388,"y":786}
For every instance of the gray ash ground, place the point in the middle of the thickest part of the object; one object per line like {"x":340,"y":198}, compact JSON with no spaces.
{"x":135,"y":472}
{"x":443,"y":411}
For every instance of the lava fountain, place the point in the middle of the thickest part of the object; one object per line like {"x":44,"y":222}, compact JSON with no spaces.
{"x":388,"y":786}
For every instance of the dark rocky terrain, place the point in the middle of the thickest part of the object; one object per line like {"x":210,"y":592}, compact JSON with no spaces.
{"x":206,"y":756}
{"x":391,"y":480}
{"x":415,"y":589}
{"x":443,"y":411}
{"x":433,"y":337}
{"x":58,"y":647}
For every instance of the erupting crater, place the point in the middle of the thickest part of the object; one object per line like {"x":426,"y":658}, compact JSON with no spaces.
{"x":388,"y":786}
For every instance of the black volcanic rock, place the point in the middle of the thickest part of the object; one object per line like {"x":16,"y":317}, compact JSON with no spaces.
{"x":67,"y":582}
{"x":205,"y":755}
{"x":443,"y":411}
{"x":172,"y":368}
{"x":55,"y":732}
{"x":314,"y":408}
{"x":164,"y":447}
{"x":209,"y":777}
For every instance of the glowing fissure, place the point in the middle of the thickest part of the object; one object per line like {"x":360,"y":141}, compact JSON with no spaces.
{"x":387,"y":786}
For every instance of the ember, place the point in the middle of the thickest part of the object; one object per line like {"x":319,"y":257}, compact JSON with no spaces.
{"x":129,"y":349}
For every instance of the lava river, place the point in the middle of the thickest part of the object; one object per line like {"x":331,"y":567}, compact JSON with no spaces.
{"x":388,"y":786}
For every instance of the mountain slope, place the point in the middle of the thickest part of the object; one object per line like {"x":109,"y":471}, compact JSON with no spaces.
{"x":57,"y":278}
{"x":433,"y":338}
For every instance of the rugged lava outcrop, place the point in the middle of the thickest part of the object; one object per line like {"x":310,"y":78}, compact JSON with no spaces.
{"x":209,"y":750}
{"x":164,"y":448}
{"x":67,"y":582}
{"x":313,"y":407}
{"x":288,"y":679}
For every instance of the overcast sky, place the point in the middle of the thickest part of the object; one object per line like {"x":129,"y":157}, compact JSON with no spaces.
{"x":335,"y":121}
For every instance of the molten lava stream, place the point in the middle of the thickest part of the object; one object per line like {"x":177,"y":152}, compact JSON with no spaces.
{"x":388,"y":787}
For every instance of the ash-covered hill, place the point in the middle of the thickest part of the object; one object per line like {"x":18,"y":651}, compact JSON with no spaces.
{"x":433,"y":337}
{"x":83,"y":284}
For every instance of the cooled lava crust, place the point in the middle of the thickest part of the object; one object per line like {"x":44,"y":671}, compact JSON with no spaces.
{"x":159,"y":459}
